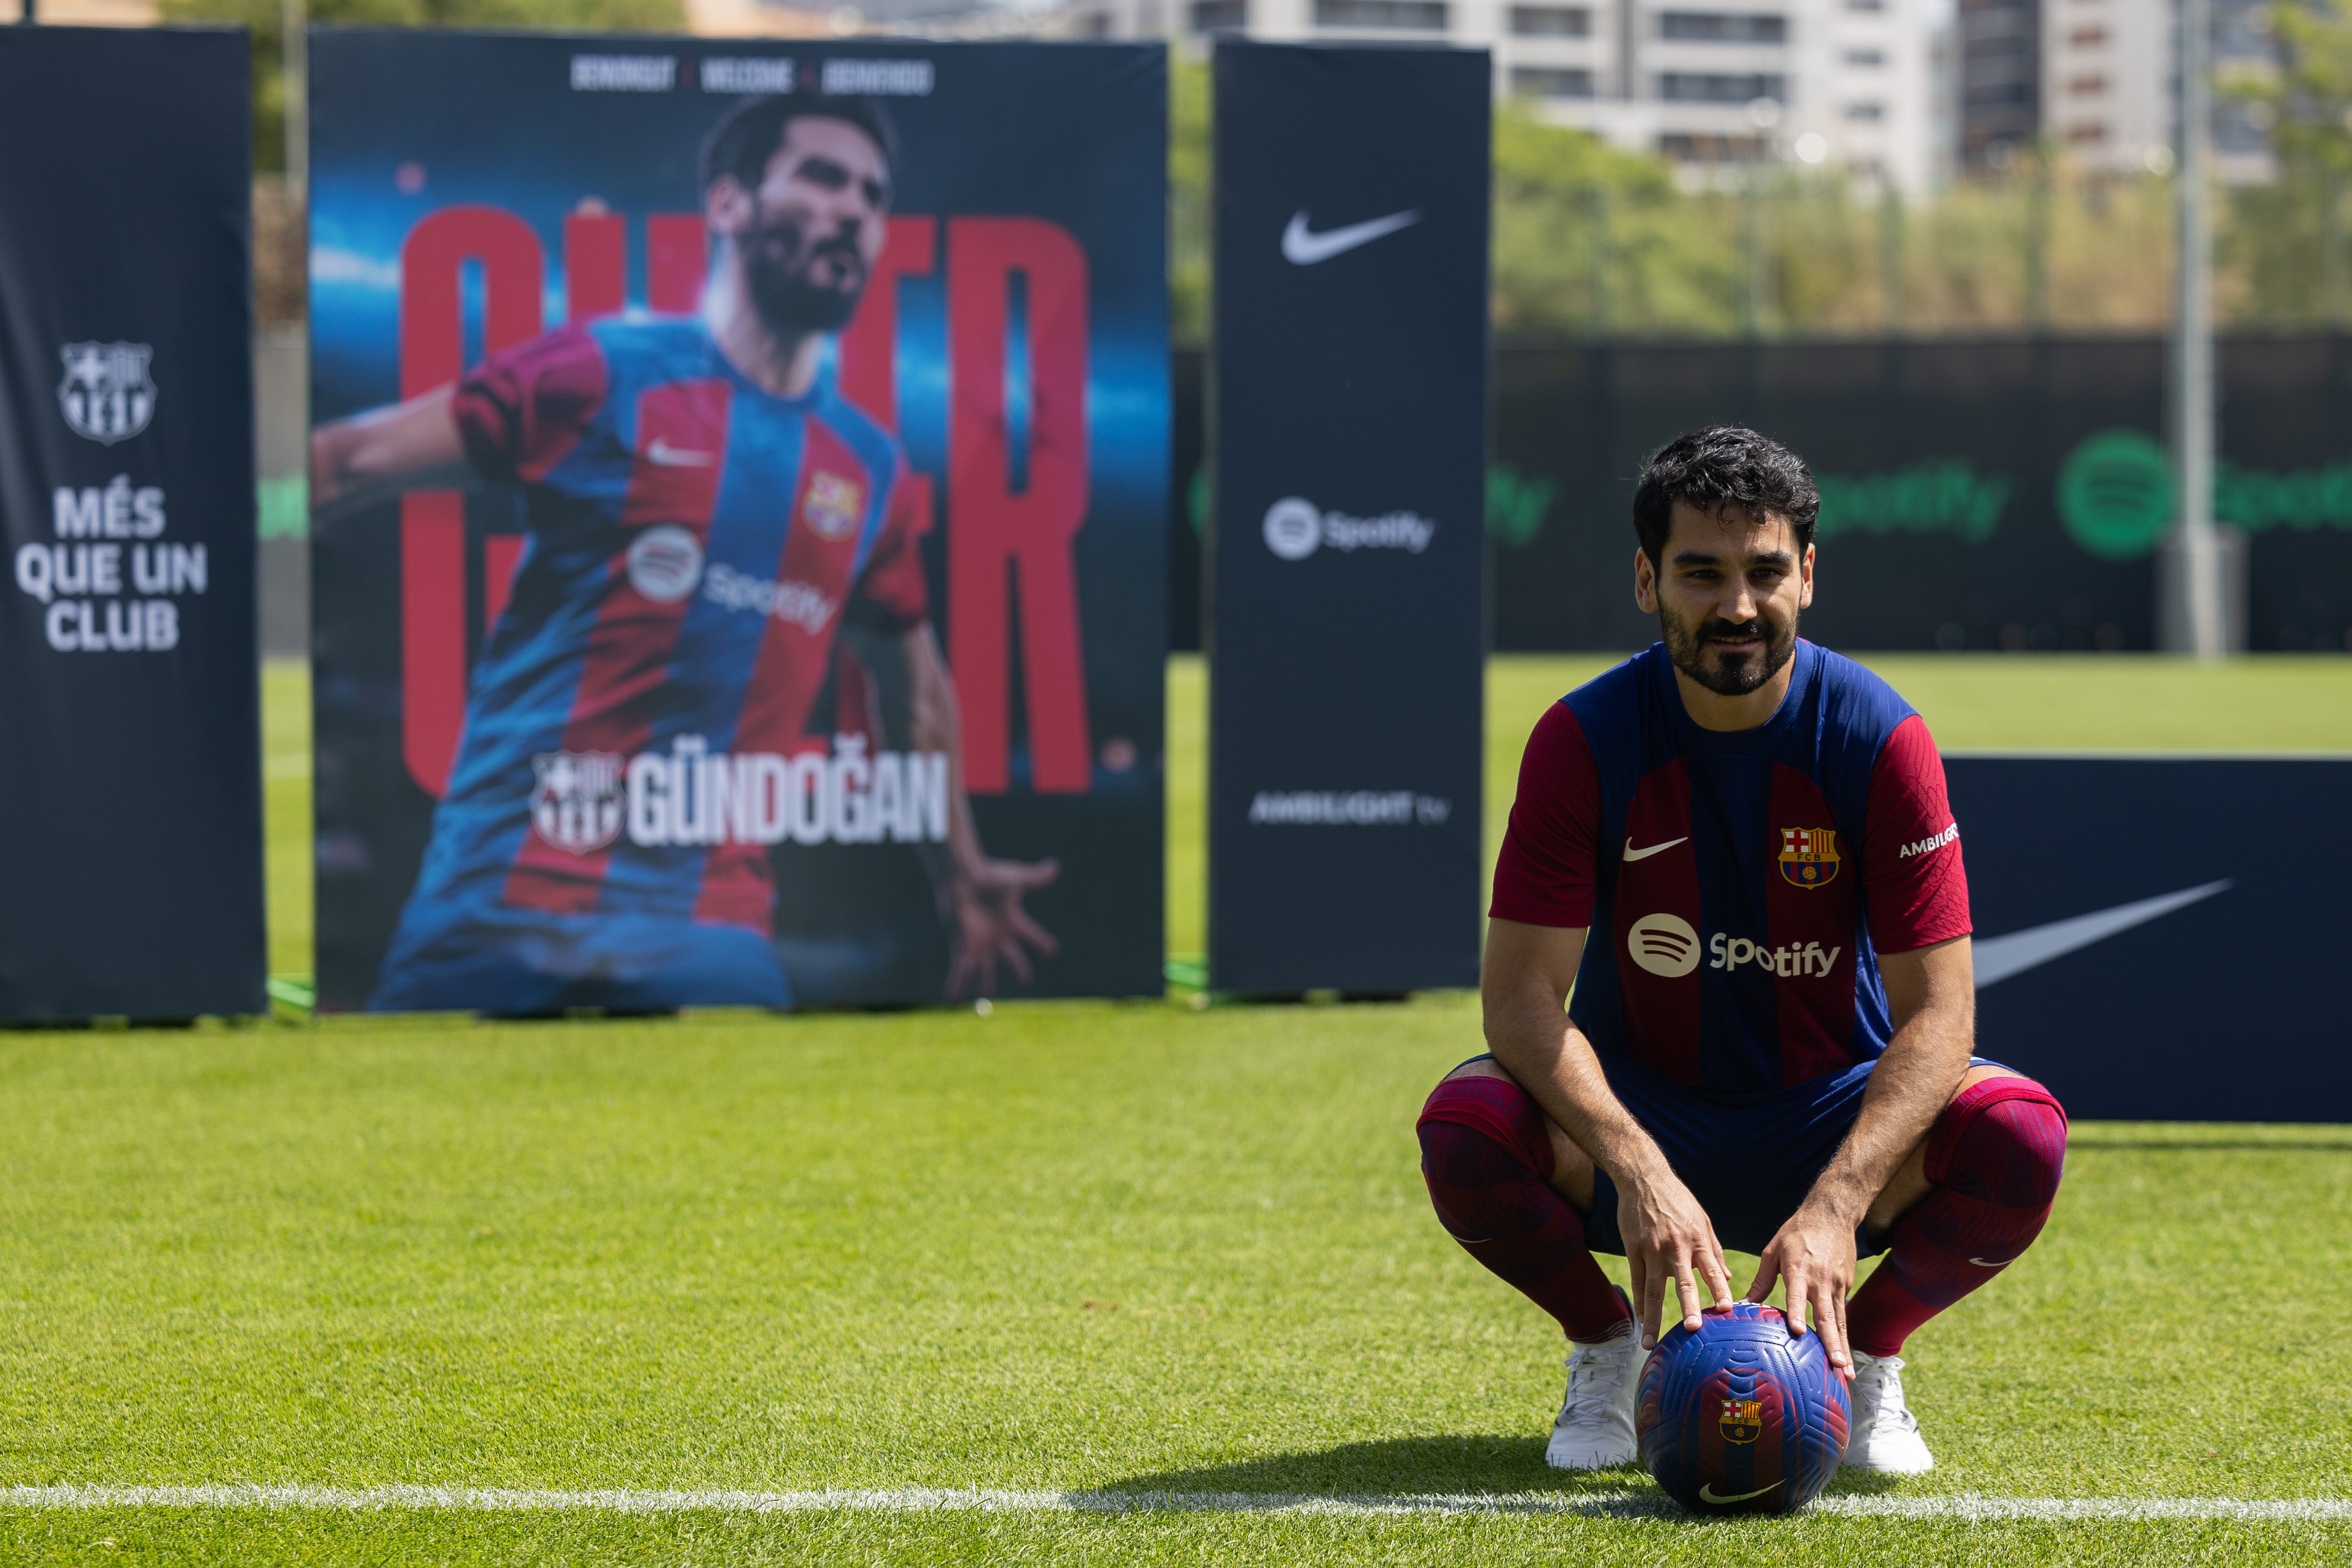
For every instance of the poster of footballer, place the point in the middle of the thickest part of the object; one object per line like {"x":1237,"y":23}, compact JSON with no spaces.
{"x":738,"y":476}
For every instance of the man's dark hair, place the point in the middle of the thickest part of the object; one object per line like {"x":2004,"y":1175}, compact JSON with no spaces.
{"x":749,"y":134}
{"x":1723,"y":463}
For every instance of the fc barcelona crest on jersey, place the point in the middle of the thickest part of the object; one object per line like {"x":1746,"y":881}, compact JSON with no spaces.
{"x":1809,"y":855}
{"x":1743,"y":1420}
{"x":832,"y":504}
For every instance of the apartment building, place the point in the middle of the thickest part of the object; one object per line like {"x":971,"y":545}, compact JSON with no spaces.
{"x":1715,"y":85}
{"x":2099,"y":82}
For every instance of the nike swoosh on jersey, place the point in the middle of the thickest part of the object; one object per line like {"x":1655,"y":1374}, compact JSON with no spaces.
{"x":1301,"y":247}
{"x":669,"y":457}
{"x":1634,"y":854}
{"x":1998,"y":958}
{"x":1709,"y":1494}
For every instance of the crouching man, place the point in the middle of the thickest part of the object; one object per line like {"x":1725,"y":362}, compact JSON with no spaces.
{"x":1735,"y":849}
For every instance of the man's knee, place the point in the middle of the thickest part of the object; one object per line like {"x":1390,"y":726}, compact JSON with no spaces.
{"x":2003,"y":1140}
{"x":1468,"y":1111}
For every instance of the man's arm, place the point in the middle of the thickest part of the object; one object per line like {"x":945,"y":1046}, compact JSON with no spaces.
{"x":371,"y":457}
{"x":916,"y":703}
{"x":1524,"y":986}
{"x":1931,"y":994}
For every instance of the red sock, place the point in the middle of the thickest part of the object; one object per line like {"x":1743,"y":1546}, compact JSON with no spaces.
{"x":1488,"y":1158}
{"x":1995,"y":1156}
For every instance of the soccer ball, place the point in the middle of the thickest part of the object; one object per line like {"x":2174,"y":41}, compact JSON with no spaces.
{"x":1741,"y":1416}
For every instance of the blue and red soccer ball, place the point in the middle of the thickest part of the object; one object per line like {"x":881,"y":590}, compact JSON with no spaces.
{"x":1741,"y":1416}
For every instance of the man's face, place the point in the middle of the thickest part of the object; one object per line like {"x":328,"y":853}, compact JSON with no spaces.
{"x":811,"y":233}
{"x":1728,"y":593}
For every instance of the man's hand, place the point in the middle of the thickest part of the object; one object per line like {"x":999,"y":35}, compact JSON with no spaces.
{"x":1667,"y":1238}
{"x":1812,"y":1256}
{"x":983,"y":901}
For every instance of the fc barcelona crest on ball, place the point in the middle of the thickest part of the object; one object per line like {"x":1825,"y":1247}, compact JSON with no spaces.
{"x":1809,"y":855}
{"x":832,"y":504}
{"x":1743,"y":1420}
{"x":106,"y":394}
{"x":576,"y":805}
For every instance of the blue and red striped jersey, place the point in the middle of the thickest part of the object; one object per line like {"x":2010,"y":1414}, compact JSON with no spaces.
{"x":1739,"y":886}
{"x":634,"y":733}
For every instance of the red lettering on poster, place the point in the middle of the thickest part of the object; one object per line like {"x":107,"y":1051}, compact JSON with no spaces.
{"x":999,"y":537}
{"x":678,"y":256}
{"x":433,"y":522}
{"x":870,"y":344}
{"x":595,"y":265}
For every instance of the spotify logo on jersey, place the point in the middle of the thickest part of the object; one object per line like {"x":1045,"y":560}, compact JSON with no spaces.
{"x":665,"y":564}
{"x":1664,"y":944}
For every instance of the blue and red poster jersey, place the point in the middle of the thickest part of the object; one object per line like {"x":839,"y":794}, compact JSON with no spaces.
{"x":634,"y":734}
{"x":1739,"y":886}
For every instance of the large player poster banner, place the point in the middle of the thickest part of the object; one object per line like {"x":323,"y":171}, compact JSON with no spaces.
{"x":739,"y":480}
{"x":130,"y":702}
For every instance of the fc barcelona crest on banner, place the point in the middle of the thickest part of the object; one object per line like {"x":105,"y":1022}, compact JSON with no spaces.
{"x":106,"y":394}
{"x":1809,"y":855}
{"x":577,"y":804}
{"x":1743,"y":1419}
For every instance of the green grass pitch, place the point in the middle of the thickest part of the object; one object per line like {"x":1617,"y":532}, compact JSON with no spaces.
{"x":1083,"y":1253}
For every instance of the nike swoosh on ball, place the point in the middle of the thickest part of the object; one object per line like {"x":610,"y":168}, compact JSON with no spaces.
{"x":1709,"y":1494}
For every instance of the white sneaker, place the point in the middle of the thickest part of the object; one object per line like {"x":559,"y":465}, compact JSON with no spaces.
{"x":1884,"y":1436}
{"x":1595,"y":1429}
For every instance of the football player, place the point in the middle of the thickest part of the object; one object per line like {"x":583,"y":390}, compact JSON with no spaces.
{"x":1734,"y":850}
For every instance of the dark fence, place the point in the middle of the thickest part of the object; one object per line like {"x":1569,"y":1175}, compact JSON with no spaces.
{"x":1983,"y":494}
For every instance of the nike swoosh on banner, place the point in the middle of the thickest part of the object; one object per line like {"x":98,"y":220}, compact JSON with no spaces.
{"x":1709,"y":1494}
{"x":1634,"y":854}
{"x":1303,"y":247}
{"x":1999,"y":957}
{"x":669,"y":457}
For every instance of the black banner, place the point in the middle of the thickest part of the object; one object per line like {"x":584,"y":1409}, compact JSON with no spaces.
{"x":2161,"y":938}
{"x":1346,"y":639}
{"x":1975,"y":495}
{"x":131,"y":873}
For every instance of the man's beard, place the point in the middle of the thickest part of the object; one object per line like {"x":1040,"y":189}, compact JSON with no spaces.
{"x":779,"y":263}
{"x":1734,"y":675}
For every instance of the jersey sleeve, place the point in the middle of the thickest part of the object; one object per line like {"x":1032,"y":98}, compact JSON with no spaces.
{"x":521,"y":410}
{"x":1545,"y":874}
{"x":892,"y":591}
{"x":1912,"y":872}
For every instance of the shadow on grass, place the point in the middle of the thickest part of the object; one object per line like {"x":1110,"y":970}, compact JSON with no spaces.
{"x":1506,"y":1473}
{"x":1448,"y":1466}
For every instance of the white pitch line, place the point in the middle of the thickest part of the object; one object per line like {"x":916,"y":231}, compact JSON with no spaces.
{"x":1966,"y":1506}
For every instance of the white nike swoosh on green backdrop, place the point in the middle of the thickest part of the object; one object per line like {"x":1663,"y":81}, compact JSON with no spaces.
{"x":1999,"y":957}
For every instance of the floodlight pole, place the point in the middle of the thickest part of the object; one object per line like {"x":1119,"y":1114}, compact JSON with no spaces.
{"x":294,"y":41}
{"x":2189,"y":609}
